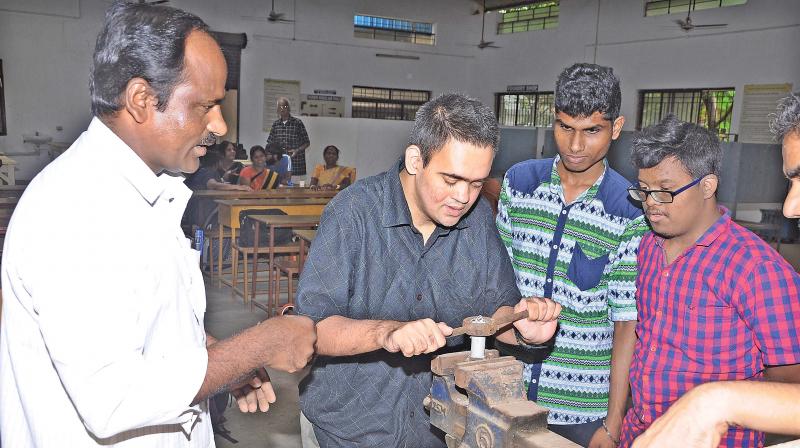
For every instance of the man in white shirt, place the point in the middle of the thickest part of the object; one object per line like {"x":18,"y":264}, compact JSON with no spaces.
{"x":102,"y":337}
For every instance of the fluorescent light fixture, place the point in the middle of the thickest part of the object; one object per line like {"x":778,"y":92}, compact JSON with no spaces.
{"x":397,"y":56}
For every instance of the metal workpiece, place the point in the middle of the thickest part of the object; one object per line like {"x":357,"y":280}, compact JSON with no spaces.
{"x":482,"y":404}
{"x":486,"y":326}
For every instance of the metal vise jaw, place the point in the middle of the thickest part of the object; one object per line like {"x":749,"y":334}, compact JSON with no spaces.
{"x":494,"y":412}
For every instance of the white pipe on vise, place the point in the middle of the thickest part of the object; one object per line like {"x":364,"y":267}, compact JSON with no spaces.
{"x":477,"y":347}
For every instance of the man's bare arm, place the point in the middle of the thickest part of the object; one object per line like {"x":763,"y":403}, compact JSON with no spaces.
{"x":283,"y":343}
{"x":700,"y":418}
{"x":342,"y":336}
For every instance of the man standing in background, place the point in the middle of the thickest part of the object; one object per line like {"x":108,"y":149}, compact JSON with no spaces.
{"x":291,"y":134}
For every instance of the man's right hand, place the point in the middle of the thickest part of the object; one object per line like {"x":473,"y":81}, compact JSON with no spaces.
{"x":542,"y":320}
{"x":289,"y":343}
{"x":416,"y":337}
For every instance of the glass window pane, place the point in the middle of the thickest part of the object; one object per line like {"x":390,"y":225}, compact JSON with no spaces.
{"x":658,"y":7}
{"x":400,"y":30}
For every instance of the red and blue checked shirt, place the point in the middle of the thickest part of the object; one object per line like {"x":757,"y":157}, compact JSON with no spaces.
{"x":723,"y":310}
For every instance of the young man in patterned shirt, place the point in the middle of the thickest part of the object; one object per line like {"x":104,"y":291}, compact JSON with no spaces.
{"x":572,"y":235}
{"x":716,"y":303}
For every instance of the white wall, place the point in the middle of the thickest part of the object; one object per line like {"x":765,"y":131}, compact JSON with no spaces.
{"x":371,"y":149}
{"x":759,"y":46}
{"x":47,"y":53}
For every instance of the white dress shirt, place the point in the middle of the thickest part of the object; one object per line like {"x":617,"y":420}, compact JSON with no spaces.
{"x":102,"y":339}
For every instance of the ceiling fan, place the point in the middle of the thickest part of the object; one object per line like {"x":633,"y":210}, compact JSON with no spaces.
{"x":484,"y":43}
{"x":687,"y":25}
{"x":277,"y":16}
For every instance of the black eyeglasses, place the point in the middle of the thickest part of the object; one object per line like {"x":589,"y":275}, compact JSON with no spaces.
{"x":661,"y":196}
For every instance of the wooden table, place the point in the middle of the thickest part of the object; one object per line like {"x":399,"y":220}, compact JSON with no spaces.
{"x":277,"y":193}
{"x":12,"y":190}
{"x":274,"y":222}
{"x":205,"y":199}
{"x":8,"y":203}
{"x":229,"y":210}
{"x":7,"y":206}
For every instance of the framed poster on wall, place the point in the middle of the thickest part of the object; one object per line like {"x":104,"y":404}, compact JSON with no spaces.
{"x":2,"y":102}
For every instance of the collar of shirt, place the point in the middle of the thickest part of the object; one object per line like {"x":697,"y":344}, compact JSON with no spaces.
{"x":395,"y":207}
{"x":585,"y":197}
{"x":122,"y":158}
{"x":285,"y":122}
{"x":721,"y":226}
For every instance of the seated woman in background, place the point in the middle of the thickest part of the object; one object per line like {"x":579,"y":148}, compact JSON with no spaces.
{"x":210,"y":175}
{"x":281,"y":163}
{"x":257,"y":175}
{"x":230,"y":167}
{"x":331,"y":176}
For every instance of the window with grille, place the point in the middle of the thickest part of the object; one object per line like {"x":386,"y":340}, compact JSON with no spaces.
{"x":661,"y":7}
{"x":399,"y":30}
{"x":536,"y":16}
{"x":528,"y":109}
{"x":710,"y":108}
{"x":387,"y":104}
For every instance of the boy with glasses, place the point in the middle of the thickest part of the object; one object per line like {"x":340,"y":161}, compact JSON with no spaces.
{"x":715,"y":302}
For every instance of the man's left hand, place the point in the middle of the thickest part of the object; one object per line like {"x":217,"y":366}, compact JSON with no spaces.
{"x":601,"y":440}
{"x":254,"y":394}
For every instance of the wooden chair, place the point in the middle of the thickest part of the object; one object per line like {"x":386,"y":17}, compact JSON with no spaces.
{"x":291,"y":268}
{"x":246,"y":252}
{"x":212,"y":235}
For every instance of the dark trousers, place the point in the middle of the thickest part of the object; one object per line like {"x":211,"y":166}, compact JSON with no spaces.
{"x":578,"y":433}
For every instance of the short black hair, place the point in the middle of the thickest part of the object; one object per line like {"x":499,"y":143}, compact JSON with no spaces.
{"x":696,"y":147}
{"x":139,"y":41}
{"x":453,"y":116}
{"x":221,"y":147}
{"x":274,"y":148}
{"x":255,"y":149}
{"x":212,"y":158}
{"x":583,"y":89}
{"x":333,"y":147}
{"x":787,"y":119}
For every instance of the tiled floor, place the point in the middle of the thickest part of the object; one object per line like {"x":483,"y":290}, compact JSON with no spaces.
{"x":279,"y":427}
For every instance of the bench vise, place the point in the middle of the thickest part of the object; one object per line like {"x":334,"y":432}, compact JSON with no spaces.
{"x":494,"y":412}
